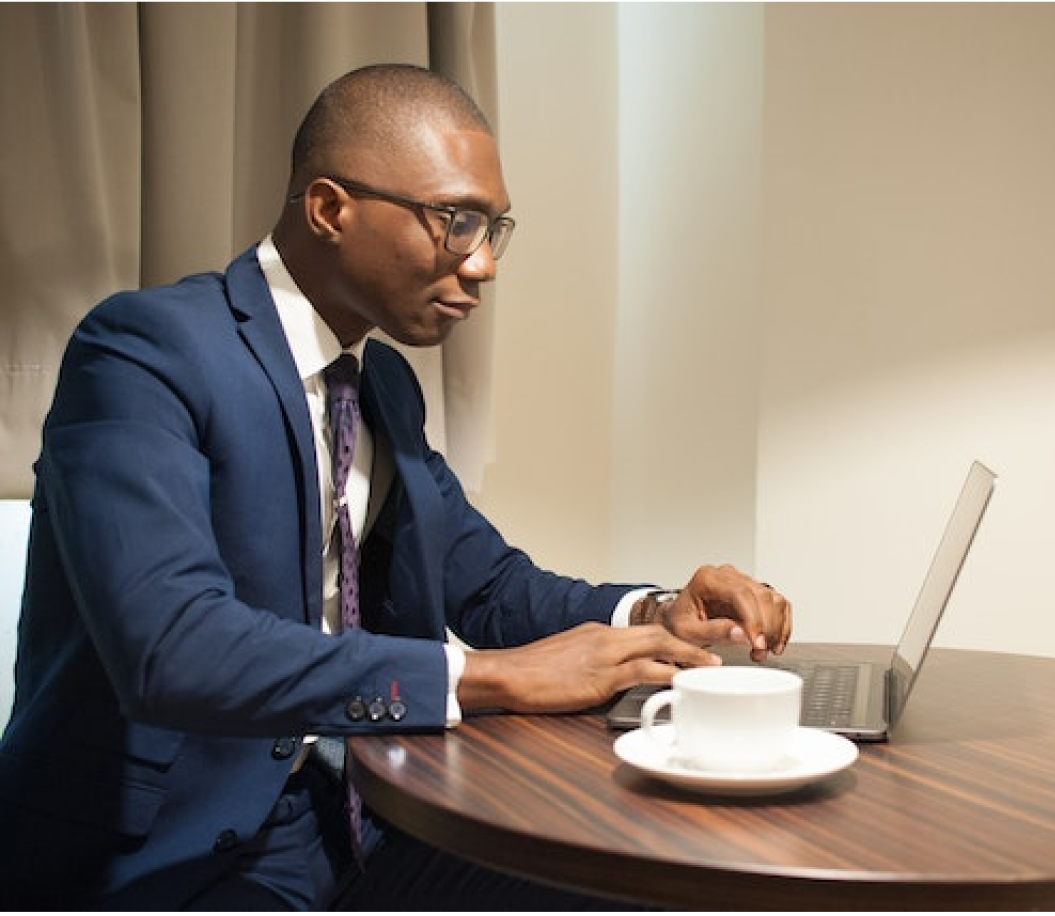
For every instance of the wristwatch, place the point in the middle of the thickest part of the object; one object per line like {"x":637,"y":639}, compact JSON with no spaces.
{"x":648,"y":608}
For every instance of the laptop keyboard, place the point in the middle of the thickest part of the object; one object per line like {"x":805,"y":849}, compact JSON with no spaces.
{"x":828,"y":692}
{"x":828,"y":696}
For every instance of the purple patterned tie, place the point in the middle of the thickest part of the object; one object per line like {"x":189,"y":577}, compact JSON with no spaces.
{"x":342,"y":400}
{"x":342,"y":387}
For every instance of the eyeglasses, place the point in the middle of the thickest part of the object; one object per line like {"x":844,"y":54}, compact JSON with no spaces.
{"x":466,"y":229}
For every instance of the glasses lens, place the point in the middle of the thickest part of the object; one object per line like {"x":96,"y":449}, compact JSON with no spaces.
{"x":500,"y":233}
{"x":466,"y":231}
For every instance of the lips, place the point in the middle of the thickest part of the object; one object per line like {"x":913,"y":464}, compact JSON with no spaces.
{"x":458,"y":308}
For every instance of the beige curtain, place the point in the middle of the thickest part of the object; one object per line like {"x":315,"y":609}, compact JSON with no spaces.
{"x":145,"y":141}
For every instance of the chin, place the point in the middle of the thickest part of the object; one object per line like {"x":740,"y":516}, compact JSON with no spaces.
{"x":421,"y":337}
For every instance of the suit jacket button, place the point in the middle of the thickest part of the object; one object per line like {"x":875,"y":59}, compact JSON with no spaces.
{"x":356,"y":709}
{"x":226,"y":841}
{"x":284,"y":748}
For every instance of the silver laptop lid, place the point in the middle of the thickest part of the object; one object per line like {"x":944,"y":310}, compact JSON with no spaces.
{"x":937,"y":586}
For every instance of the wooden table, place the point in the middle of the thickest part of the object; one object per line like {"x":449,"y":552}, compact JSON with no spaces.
{"x":956,"y":812}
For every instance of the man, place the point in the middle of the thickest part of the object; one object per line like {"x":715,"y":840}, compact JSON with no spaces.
{"x":180,"y":636}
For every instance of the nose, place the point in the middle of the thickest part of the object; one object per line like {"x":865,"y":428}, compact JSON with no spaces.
{"x":480,"y":265}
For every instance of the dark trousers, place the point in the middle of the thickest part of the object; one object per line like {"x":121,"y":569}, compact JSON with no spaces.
{"x":404,"y":874}
{"x":301,"y":860}
{"x":298,"y":860}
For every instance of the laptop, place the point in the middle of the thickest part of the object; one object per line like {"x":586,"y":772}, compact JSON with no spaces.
{"x":864,"y":700}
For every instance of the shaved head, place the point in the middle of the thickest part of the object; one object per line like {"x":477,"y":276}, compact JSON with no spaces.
{"x":377,"y":111}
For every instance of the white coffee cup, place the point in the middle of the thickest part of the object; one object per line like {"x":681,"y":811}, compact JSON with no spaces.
{"x":727,"y":719}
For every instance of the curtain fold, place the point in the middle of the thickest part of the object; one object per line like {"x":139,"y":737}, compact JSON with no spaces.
{"x":143,"y":142}
{"x":69,"y":196}
{"x":462,"y":47}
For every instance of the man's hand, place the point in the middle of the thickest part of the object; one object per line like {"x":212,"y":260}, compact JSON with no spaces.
{"x":574,"y":670}
{"x":720,"y":604}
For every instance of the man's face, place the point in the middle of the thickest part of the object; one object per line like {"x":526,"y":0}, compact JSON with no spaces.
{"x":394,"y":271}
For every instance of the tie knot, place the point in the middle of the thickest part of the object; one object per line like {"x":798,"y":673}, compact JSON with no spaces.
{"x":342,"y":373}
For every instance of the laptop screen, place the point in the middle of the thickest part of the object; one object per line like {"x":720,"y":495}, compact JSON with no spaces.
{"x":938,"y":586}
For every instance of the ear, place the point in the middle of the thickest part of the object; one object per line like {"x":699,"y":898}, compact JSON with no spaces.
{"x":324,"y":210}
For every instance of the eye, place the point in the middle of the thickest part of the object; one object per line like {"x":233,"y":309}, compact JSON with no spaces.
{"x":466,"y":225}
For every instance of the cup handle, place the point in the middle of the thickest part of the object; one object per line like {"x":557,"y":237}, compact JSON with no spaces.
{"x":649,"y":710}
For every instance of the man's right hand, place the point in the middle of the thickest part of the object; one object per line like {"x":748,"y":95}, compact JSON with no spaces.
{"x":574,"y":670}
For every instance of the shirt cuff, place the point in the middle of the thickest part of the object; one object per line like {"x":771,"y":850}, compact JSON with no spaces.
{"x":621,"y":614}
{"x":455,"y":669}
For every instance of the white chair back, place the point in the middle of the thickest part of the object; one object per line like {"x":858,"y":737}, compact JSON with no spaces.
{"x":14,"y":533}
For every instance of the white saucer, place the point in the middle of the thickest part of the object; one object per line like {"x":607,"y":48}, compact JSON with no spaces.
{"x":816,"y":754}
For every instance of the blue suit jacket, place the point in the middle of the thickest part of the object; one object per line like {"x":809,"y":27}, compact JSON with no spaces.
{"x":170,"y":650}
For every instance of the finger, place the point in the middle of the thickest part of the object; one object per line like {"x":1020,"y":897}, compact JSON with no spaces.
{"x":651,"y":642}
{"x":767,"y":635}
{"x":782,"y":620}
{"x":722,"y":631}
{"x":652,"y":671}
{"x":762,"y":612}
{"x":785,"y":635}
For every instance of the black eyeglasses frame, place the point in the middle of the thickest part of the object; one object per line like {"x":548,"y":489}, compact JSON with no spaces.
{"x":496,"y":232}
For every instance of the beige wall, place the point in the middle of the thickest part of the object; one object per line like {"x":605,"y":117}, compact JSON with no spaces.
{"x":781,"y":336}
{"x":909,"y":311}
{"x":685,"y":395}
{"x":557,"y":292}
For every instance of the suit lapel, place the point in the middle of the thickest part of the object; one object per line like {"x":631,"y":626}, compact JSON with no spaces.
{"x":262,"y":332}
{"x":417,"y":567}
